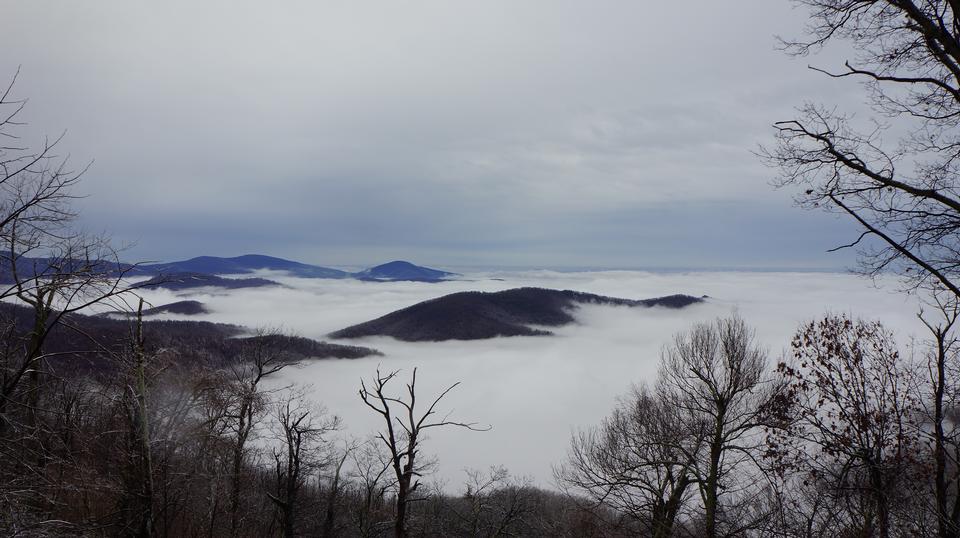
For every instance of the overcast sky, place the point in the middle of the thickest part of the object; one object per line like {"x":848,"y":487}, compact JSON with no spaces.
{"x":494,"y":132}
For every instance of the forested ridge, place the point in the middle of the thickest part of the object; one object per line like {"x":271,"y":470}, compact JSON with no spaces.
{"x":474,"y":315}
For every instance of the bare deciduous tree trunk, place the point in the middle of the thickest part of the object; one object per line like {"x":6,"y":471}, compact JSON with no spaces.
{"x":403,"y":446}
{"x":715,"y":375}
{"x":141,"y":429}
{"x":944,"y":343}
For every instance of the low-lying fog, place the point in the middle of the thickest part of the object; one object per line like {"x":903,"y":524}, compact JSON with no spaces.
{"x":534,"y":391}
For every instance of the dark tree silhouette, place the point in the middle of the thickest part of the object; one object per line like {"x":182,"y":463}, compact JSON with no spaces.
{"x":639,"y":462}
{"x":903,"y":194}
{"x":941,"y":400}
{"x":848,"y":417}
{"x":404,"y":426}
{"x":714,"y":374}
{"x":301,"y":430}
{"x":45,"y":263}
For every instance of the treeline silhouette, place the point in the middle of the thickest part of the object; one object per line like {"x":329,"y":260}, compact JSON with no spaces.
{"x":846,"y":436}
{"x":82,"y":344}
{"x":168,"y":431}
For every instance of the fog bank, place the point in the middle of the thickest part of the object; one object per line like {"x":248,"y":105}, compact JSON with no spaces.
{"x":534,"y":391}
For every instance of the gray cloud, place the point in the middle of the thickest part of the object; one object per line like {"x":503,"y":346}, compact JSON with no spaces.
{"x":546,"y":133}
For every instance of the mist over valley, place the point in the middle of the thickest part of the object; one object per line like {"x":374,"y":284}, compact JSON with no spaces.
{"x":534,"y":391}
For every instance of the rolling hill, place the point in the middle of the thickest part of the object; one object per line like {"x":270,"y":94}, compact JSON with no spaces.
{"x":475,"y":315}
{"x":183,"y":342}
{"x":183,"y":308}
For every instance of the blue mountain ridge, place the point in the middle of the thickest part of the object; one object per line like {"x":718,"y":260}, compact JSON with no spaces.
{"x":401,"y":270}
{"x":247,"y":263}
{"x":212,"y":265}
{"x":193,"y":270}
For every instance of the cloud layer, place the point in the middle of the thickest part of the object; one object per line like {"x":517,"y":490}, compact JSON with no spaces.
{"x":534,"y":391}
{"x":607,"y":133}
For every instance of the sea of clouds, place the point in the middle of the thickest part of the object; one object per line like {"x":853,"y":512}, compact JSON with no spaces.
{"x":533,"y":392}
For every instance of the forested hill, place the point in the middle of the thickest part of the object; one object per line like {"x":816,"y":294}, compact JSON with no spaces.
{"x":84,"y":344}
{"x":475,"y":315}
{"x":182,"y":308}
{"x":186,"y":281}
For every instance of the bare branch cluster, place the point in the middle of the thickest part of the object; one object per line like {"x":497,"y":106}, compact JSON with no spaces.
{"x":694,"y":436}
{"x":403,"y":434}
{"x":905,"y":195}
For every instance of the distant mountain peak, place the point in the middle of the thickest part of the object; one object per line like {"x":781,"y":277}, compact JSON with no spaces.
{"x":395,"y":264}
{"x":403,"y":270}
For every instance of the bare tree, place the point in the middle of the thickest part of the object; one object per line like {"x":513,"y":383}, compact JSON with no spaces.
{"x":300,"y":428}
{"x":848,"y":417}
{"x":940,"y":397}
{"x":54,"y":270}
{"x":903,"y":194}
{"x":805,"y":508}
{"x":245,"y":403}
{"x":714,"y":375}
{"x":335,"y":481}
{"x":640,"y":462}
{"x":45,"y":263}
{"x":139,"y":443}
{"x":403,"y":434}
{"x":371,"y":477}
{"x":493,"y":504}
